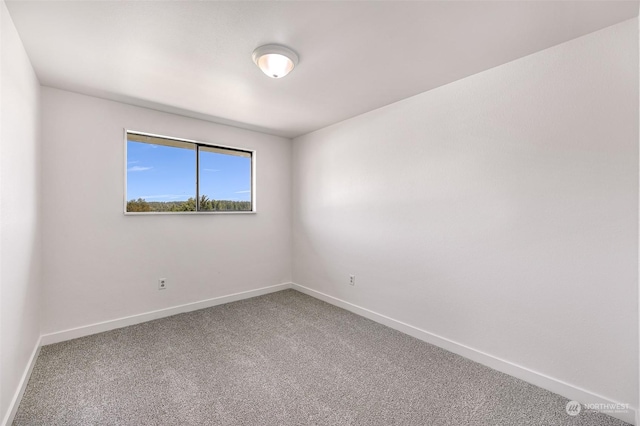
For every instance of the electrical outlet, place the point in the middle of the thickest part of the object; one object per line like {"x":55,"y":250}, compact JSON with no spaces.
{"x":162,"y":283}
{"x":352,"y":280}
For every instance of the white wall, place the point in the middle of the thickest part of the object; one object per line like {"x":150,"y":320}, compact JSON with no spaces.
{"x":20,"y":195}
{"x":499,"y":211}
{"x":101,"y":265}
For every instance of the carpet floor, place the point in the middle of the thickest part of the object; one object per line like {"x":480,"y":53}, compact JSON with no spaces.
{"x":280,"y":359}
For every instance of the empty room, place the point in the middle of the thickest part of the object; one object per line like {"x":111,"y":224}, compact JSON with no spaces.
{"x":319,"y":213}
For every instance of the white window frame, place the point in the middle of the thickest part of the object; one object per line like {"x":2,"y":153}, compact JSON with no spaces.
{"x":196,"y":143}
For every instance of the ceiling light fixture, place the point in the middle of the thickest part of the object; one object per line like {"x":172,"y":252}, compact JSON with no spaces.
{"x":274,"y":60}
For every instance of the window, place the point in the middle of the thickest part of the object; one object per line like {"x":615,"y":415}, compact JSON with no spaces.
{"x":168,"y":175}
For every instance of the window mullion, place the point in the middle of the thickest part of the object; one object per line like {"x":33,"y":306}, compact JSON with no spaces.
{"x":197,"y":178}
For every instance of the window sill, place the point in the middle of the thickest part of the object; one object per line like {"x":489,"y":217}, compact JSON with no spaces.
{"x":183,"y":213}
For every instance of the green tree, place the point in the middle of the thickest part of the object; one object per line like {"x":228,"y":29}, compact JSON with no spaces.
{"x":139,"y":205}
{"x":185,"y":206}
{"x":205,"y":203}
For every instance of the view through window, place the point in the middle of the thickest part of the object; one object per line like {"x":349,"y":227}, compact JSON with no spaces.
{"x":172,"y":175}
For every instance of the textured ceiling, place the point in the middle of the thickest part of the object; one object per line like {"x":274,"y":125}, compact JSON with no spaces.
{"x":194,"y":58}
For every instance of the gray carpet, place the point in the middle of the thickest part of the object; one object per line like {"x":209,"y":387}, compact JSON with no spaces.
{"x":280,"y":359}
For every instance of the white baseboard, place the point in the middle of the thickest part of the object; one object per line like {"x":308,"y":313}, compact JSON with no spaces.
{"x":559,"y":387}
{"x":17,"y":397}
{"x":74,"y":333}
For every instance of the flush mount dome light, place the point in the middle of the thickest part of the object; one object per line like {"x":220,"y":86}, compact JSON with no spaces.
{"x":274,"y":60}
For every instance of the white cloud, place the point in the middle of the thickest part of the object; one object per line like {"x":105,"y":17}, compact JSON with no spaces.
{"x":243,"y":192}
{"x":138,"y":169}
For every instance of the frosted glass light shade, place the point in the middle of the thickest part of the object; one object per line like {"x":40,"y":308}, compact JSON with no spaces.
{"x":274,"y":60}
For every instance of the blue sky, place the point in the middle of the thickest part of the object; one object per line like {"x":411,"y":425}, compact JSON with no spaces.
{"x":164,"y":173}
